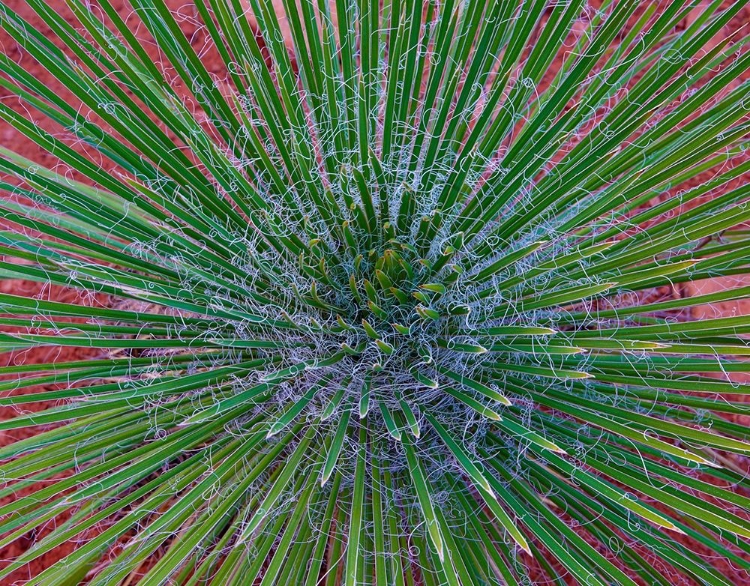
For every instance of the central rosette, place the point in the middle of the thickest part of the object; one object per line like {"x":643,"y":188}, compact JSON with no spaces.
{"x":395,"y":313}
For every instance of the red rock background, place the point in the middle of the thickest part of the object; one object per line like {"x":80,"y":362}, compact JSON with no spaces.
{"x":11,"y":139}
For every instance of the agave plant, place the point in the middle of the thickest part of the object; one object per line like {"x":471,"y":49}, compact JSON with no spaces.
{"x":386,"y":300}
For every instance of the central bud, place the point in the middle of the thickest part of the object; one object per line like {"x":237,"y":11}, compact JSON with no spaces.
{"x":397,"y":311}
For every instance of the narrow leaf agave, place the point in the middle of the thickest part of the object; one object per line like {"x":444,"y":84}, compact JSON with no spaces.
{"x":382,"y":300}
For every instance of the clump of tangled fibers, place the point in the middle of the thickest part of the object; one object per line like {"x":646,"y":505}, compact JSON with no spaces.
{"x":388,"y":292}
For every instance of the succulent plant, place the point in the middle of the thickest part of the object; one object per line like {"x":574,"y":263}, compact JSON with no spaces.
{"x":385,"y":299}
